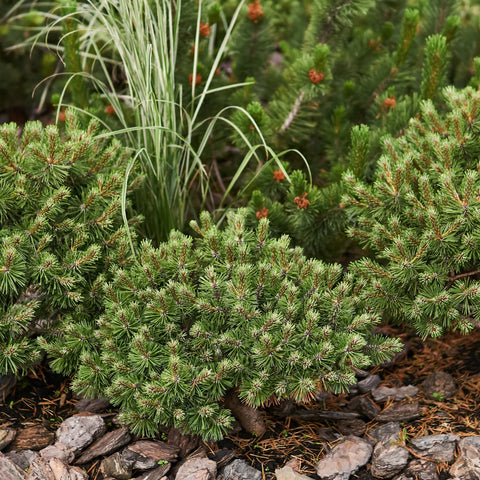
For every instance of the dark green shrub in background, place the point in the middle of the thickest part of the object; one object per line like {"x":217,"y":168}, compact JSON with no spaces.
{"x":421,"y":220}
{"x":61,"y":229}
{"x":231,"y":312}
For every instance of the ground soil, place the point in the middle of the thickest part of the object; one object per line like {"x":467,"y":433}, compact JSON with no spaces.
{"x":45,"y":398}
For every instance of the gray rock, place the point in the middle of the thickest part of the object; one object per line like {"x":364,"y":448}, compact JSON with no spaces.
{"x":116,"y":466}
{"x":423,"y":470}
{"x":10,"y":470}
{"x":79,"y":431}
{"x":369,"y":383}
{"x":364,"y":406}
{"x":23,"y":458}
{"x":241,"y":470}
{"x":137,"y":461}
{"x":197,"y":468}
{"x":6,"y":437}
{"x":58,"y":450}
{"x":381,"y":394}
{"x":386,"y":433}
{"x":388,"y":459}
{"x":156,"y":474}
{"x":344,"y":459}
{"x":439,"y":386}
{"x":437,"y":447}
{"x":400,"y":413}
{"x":288,"y":473}
{"x":54,"y":469}
{"x":467,"y":465}
{"x":105,"y":445}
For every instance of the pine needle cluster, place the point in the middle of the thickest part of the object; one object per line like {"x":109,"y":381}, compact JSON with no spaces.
{"x":232,"y":311}
{"x":60,"y":229}
{"x":420,"y":219}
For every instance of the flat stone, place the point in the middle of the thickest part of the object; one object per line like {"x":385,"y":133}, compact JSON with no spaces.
{"x":32,"y":438}
{"x":400,"y":413}
{"x":364,"y":406}
{"x":92,"y":405}
{"x":116,"y":466}
{"x":7,"y":436}
{"x":386,"y":433}
{"x":387,"y":460}
{"x":344,"y":459}
{"x":439,"y":386}
{"x":23,"y":458}
{"x":241,"y":470}
{"x":288,"y":473}
{"x":467,"y":465}
{"x":369,"y":383}
{"x":156,"y":474}
{"x":423,"y":470}
{"x":105,"y":445}
{"x":54,"y":469}
{"x":137,"y":461}
{"x":80,"y":431}
{"x":58,"y":450}
{"x":9,"y":470}
{"x":381,"y":394}
{"x":197,"y":468}
{"x":437,"y":447}
{"x":156,"y":450}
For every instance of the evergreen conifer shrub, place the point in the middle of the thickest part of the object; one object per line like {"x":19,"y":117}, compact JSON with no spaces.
{"x":60,"y":230}
{"x":421,"y":219}
{"x":231,"y":312}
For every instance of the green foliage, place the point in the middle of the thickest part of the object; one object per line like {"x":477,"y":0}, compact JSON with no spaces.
{"x":232,"y":311}
{"x":60,"y":231}
{"x":420,"y":219}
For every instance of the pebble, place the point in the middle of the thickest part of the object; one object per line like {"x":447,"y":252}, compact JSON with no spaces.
{"x":197,"y":468}
{"x":388,"y":456}
{"x":439,"y":386}
{"x":241,"y":470}
{"x":58,"y":450}
{"x":116,"y":466}
{"x":437,"y":447}
{"x":344,"y":459}
{"x":80,"y":431}
{"x":382,"y":394}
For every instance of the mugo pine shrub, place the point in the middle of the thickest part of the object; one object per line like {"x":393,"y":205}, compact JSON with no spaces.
{"x":60,"y":229}
{"x":231,"y":312}
{"x":421,"y":219}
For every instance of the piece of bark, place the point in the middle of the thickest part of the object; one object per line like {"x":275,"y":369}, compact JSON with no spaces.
{"x":156,"y":450}
{"x":32,"y":438}
{"x":250,"y":418}
{"x":105,"y":445}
